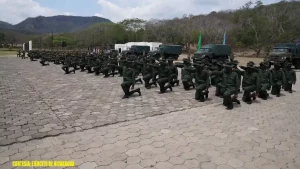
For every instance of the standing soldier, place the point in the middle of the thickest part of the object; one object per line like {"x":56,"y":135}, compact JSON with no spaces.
{"x":129,"y":80}
{"x":238,"y":72}
{"x":23,"y":54}
{"x":290,"y":76}
{"x":278,"y":79}
{"x":19,"y":53}
{"x":251,"y":83}
{"x":202,"y":82}
{"x":265,"y":80}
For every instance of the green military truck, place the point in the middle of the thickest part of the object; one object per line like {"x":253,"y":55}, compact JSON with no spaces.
{"x":285,"y":52}
{"x":214,"y":51}
{"x":138,"y":50}
{"x":167,"y":51}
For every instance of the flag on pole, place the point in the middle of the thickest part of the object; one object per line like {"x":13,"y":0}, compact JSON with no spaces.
{"x":224,"y":39}
{"x":199,"y":42}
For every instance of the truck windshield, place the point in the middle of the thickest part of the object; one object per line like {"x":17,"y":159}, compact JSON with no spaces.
{"x":205,"y":50}
{"x":281,"y":50}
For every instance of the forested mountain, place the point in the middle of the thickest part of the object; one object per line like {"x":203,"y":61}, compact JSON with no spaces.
{"x":5,"y":25}
{"x":57,"y":24}
{"x":254,"y":26}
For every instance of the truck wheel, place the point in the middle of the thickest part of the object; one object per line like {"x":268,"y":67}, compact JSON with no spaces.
{"x":297,"y":64}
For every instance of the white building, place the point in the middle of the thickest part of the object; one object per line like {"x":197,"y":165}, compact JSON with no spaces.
{"x":127,"y":46}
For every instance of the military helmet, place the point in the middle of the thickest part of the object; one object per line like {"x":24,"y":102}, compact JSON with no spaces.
{"x":250,"y":64}
{"x":263,"y":64}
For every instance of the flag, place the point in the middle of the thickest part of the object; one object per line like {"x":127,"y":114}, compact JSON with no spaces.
{"x":224,"y":39}
{"x":199,"y":42}
{"x":299,"y":40}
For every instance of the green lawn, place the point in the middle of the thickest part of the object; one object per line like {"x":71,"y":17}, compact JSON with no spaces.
{"x":8,"y":53}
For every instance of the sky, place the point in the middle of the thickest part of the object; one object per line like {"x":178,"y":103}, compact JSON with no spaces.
{"x":15,"y":11}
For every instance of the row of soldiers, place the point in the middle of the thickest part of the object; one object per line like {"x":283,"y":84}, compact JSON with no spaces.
{"x":226,"y":76}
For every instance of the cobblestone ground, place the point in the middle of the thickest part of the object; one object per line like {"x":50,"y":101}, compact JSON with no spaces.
{"x":41,"y":101}
{"x":264,"y":135}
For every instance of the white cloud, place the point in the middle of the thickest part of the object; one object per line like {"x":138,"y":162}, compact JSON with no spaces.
{"x":15,"y":11}
{"x":98,"y":14}
{"x":68,"y":13}
{"x":117,"y":10}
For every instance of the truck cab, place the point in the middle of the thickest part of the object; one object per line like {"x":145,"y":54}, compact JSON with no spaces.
{"x":167,"y":51}
{"x":285,"y":52}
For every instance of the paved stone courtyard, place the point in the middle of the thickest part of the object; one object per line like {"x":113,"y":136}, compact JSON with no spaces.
{"x":152,"y":131}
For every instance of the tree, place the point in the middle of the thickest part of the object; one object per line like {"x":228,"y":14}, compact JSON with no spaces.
{"x":2,"y":37}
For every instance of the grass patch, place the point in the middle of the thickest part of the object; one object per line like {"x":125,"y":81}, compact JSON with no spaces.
{"x":8,"y":53}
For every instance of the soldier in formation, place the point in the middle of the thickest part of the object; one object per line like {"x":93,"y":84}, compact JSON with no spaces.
{"x":226,"y":76}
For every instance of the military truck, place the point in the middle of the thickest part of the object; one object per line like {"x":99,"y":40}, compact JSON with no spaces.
{"x":213,"y":51}
{"x":167,"y":51}
{"x":138,"y":50}
{"x":285,"y":52}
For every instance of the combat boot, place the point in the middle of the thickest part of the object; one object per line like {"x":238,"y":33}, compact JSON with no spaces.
{"x":169,"y":86}
{"x":139,"y":91}
{"x":177,"y":82}
{"x":201,"y":99}
{"x":253,"y":96}
{"x":125,"y":97}
{"x":229,"y":104}
{"x":206,"y":94}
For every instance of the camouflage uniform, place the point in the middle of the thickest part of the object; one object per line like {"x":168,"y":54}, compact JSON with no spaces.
{"x":251,"y":83}
{"x":290,"y":76}
{"x":128,"y":80}
{"x":265,"y":81}
{"x":187,"y":75}
{"x":202,"y":82}
{"x":164,"y":75}
{"x":230,"y":82}
{"x":278,"y":79}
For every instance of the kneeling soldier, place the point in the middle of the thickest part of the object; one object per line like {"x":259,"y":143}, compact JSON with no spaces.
{"x":202,"y":82}
{"x":164,"y":76}
{"x":251,"y":83}
{"x":230,"y":83}
{"x":129,"y":80}
{"x":265,"y":80}
{"x":187,"y":75}
{"x":278,"y":78}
